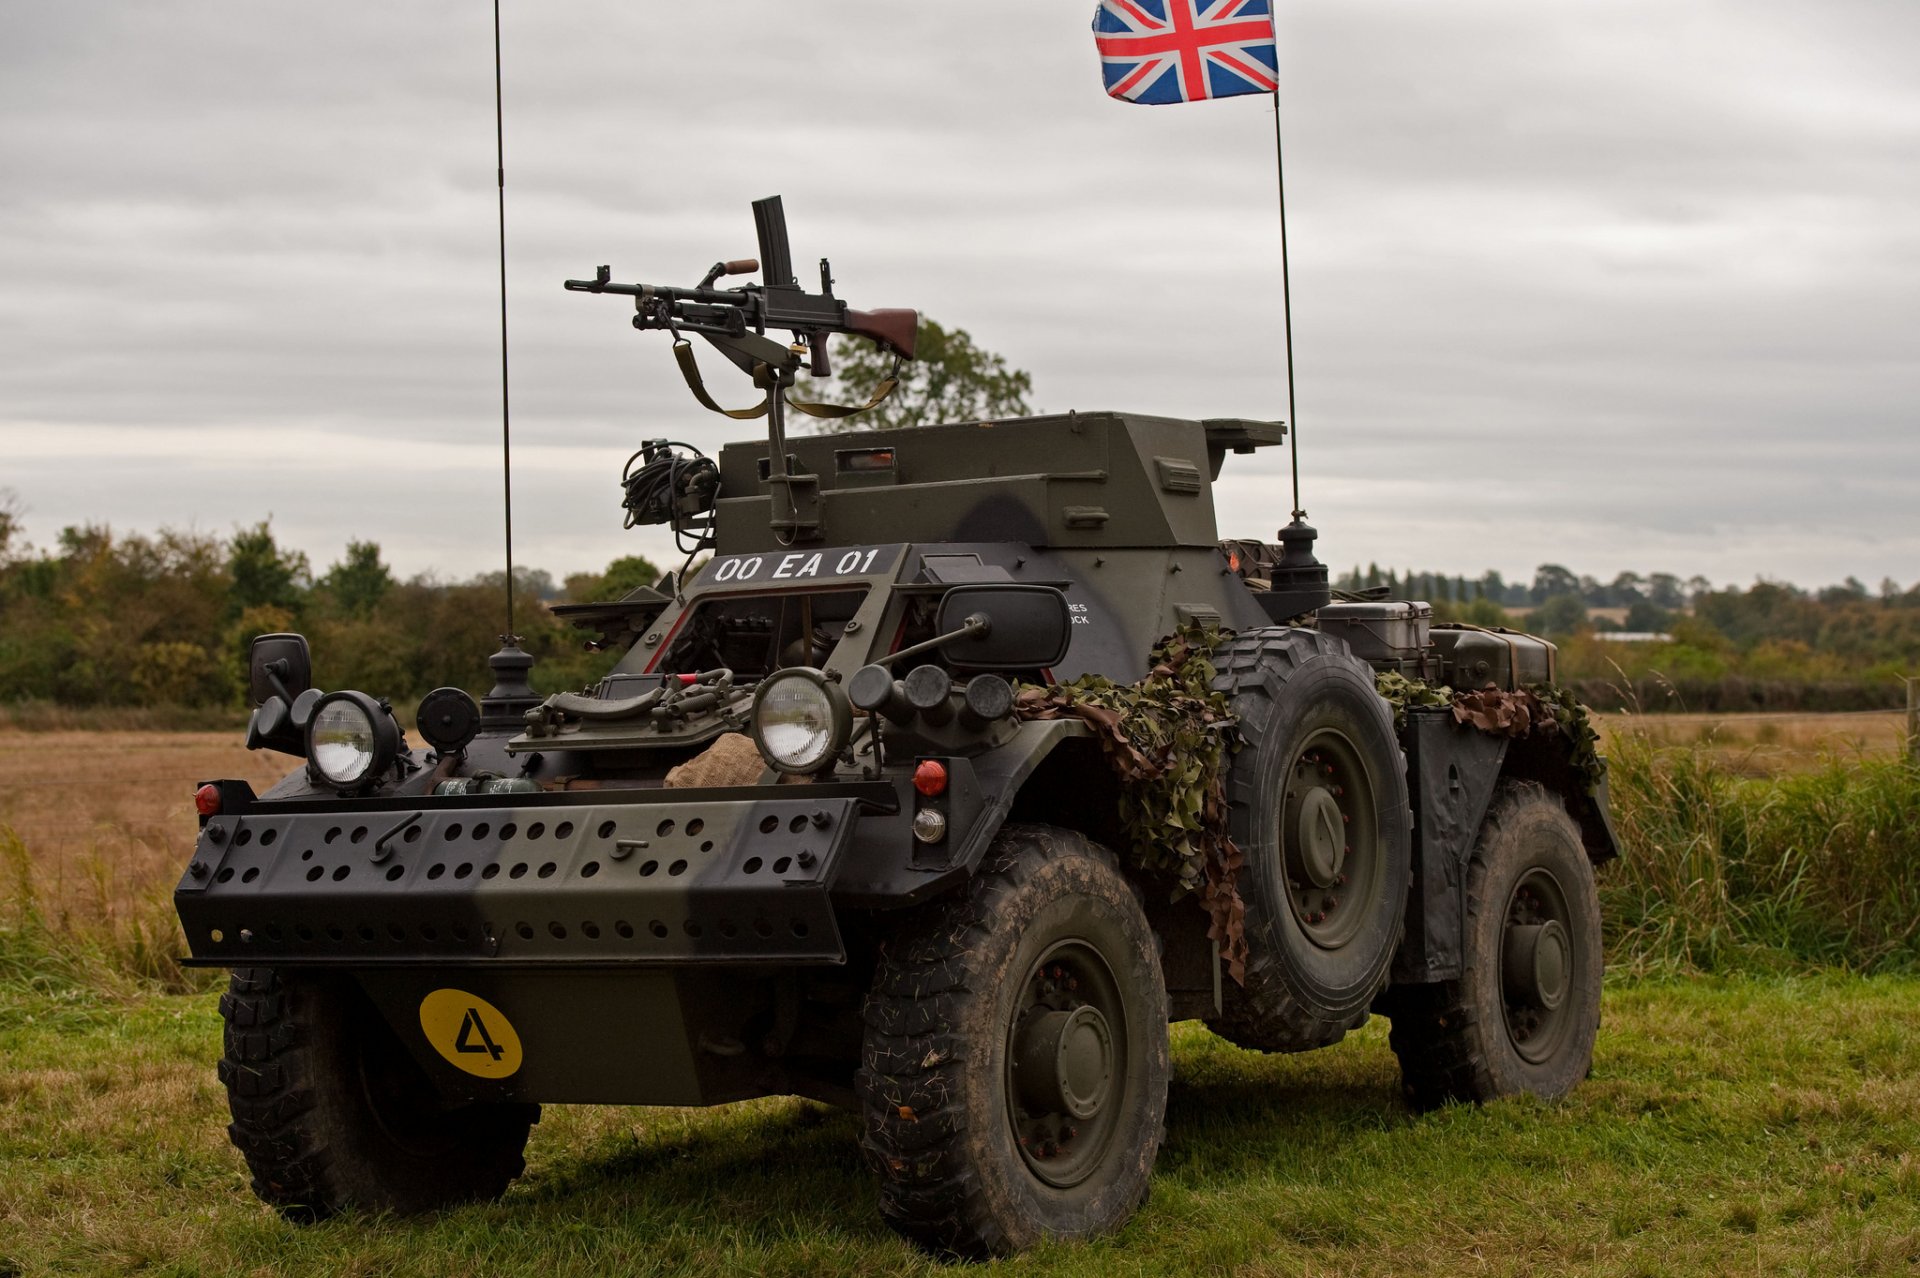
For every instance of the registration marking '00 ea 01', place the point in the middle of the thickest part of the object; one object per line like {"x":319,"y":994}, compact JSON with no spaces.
{"x":801,"y":565}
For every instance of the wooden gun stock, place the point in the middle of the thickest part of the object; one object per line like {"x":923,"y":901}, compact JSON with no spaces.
{"x":895,"y":329}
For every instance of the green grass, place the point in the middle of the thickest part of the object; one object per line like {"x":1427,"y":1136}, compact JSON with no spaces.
{"x":1731,"y":1126}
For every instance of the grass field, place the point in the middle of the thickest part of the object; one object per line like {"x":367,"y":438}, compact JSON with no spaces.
{"x":1729,"y":1127}
{"x":102,"y":824}
{"x":1768,"y":744}
{"x":1743,"y":1123}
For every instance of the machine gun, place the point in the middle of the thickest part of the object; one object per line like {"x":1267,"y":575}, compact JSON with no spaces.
{"x":736,"y":322}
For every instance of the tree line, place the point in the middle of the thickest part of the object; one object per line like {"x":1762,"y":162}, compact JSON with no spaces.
{"x":128,"y":619}
{"x":1772,"y":645}
{"x":109,"y":619}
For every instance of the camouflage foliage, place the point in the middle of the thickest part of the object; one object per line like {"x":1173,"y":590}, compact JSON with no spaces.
{"x":1167,"y":738}
{"x":1401,"y":692}
{"x":1574,"y":721}
{"x":1544,"y":710}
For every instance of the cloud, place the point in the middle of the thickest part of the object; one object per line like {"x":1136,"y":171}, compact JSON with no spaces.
{"x":1617,"y":284}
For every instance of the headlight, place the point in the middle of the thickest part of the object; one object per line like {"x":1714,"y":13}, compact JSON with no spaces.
{"x":350,"y":738}
{"x":800,"y":721}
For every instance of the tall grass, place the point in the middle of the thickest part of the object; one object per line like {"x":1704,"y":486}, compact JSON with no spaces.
{"x":128,"y":940}
{"x":1724,"y":872}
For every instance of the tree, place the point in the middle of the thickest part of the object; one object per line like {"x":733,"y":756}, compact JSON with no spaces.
{"x":263,"y":575}
{"x":1852,"y":590}
{"x":1560,"y":615}
{"x":1648,"y":617}
{"x":360,"y":581}
{"x":1550,"y":580}
{"x":621,"y":578}
{"x":10,"y":528}
{"x":1663,"y":589}
{"x":952,"y":380}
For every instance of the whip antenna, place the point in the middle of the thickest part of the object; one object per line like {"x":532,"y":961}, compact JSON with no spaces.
{"x":1286,"y":309}
{"x":1297,"y":573}
{"x":506,"y":432}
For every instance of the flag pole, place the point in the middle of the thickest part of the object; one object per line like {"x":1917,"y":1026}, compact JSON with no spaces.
{"x":1286,"y":305}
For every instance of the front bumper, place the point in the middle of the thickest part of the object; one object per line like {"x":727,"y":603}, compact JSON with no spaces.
{"x":615,"y":878}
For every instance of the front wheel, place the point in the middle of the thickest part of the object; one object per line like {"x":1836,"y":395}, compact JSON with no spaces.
{"x":330,"y":1111}
{"x":1014,"y":1074}
{"x":1523,"y":1016}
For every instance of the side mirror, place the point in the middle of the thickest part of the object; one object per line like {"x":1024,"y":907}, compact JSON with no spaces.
{"x":1028,"y":626}
{"x":279,"y":666}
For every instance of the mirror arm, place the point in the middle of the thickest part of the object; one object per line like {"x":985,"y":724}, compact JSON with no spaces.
{"x":274,"y":670}
{"x":976,"y":625}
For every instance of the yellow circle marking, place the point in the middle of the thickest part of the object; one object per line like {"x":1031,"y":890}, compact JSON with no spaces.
{"x":470,"y":1033}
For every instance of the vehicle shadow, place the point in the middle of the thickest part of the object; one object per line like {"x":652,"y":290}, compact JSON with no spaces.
{"x":768,"y":1172}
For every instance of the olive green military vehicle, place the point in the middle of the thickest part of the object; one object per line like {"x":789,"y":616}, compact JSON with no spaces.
{"x":803,"y":841}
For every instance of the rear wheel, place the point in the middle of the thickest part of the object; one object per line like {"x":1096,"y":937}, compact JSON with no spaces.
{"x":1318,"y":806}
{"x":331,"y":1112}
{"x":1523,"y":1015}
{"x":1014,"y":1074}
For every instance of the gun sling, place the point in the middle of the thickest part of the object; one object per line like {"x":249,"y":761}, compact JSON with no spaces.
{"x":690,"y":370}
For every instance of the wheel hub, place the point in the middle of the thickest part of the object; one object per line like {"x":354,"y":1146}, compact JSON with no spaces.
{"x":1320,"y":839}
{"x":1329,"y":839}
{"x":1065,"y":1062}
{"x":1537,"y":964}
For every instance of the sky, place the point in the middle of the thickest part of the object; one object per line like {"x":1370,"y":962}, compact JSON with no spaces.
{"x":1610,"y":283}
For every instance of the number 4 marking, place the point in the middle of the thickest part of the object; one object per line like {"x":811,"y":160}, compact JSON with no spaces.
{"x":474,"y":1025}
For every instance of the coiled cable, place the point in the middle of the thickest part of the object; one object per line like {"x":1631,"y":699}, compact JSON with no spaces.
{"x":667,"y":487}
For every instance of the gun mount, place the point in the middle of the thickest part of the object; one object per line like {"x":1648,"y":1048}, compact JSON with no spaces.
{"x":735,"y":322}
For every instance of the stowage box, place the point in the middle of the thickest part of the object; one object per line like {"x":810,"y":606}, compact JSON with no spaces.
{"x":1472,"y":658}
{"x":1380,"y":630}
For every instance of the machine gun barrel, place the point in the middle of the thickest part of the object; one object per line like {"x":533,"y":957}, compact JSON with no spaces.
{"x":668,"y":292}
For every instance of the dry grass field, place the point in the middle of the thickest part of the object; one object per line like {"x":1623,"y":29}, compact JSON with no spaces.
{"x":101,"y":824}
{"x":1769,"y":744}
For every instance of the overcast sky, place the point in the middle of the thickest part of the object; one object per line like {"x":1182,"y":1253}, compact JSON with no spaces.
{"x":1615,"y":283}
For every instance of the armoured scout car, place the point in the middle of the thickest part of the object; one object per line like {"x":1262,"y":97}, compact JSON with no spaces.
{"x":803,"y":841}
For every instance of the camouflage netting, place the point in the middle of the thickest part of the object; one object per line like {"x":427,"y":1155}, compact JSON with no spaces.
{"x":1167,"y":738}
{"x":1543,"y":710}
{"x":1402,"y":692}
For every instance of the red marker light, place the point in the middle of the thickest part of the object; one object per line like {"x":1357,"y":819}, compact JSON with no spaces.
{"x":688,"y":680}
{"x":930,"y":778}
{"x":206,"y":800}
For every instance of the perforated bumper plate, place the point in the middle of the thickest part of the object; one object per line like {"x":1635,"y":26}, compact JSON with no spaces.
{"x":693,"y":880}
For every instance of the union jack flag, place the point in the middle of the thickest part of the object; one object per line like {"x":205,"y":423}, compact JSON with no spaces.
{"x":1156,"y":51}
